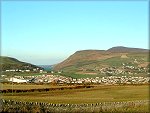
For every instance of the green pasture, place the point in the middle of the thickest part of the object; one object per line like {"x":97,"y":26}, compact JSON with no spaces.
{"x":74,"y":75}
{"x":21,"y":73}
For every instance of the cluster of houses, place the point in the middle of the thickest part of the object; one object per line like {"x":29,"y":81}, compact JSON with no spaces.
{"x":124,"y":69}
{"x":68,"y":80}
{"x":131,"y":70}
{"x":112,"y":80}
{"x":25,"y":70}
{"x":17,"y":70}
{"x":111,"y":71}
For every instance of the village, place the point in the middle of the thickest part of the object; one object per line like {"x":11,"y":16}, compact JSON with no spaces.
{"x":125,"y":68}
{"x":50,"y":78}
{"x":111,"y":76}
{"x":25,"y":70}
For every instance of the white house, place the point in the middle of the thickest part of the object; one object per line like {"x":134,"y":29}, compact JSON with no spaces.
{"x":17,"y":80}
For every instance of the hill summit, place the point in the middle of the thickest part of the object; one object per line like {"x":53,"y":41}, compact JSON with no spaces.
{"x":121,"y":49}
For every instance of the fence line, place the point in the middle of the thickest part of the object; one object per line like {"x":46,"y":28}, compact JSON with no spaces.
{"x":21,"y":106}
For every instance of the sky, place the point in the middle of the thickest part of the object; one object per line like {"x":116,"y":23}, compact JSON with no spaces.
{"x":47,"y":32}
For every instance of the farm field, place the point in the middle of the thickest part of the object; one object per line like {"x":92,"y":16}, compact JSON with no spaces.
{"x":21,"y":73}
{"x":90,"y":75}
{"x":85,"y":95}
{"x":28,"y":86}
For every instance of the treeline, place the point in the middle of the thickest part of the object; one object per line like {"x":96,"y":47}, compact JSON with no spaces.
{"x":41,"y":90}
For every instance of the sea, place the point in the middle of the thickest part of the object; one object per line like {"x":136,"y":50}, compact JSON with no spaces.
{"x":46,"y":67}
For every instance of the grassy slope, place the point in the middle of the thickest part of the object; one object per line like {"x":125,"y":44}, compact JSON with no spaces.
{"x":12,"y":63}
{"x":9,"y":60}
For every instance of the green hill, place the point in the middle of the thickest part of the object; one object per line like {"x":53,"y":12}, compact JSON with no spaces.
{"x":93,"y":61}
{"x":8,"y":63}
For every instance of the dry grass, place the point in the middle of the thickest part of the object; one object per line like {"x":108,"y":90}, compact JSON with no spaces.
{"x":86,"y":95}
{"x":28,"y":86}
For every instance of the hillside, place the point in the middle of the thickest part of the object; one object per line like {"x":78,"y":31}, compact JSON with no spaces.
{"x":8,"y":63}
{"x":93,"y":61}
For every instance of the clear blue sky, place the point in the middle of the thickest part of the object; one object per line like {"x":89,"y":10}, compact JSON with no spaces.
{"x":47,"y":32}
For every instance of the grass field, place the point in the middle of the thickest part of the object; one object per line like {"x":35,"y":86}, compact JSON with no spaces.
{"x":27,"y":86}
{"x":83,"y":75}
{"x":21,"y":73}
{"x":86,"y":95}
